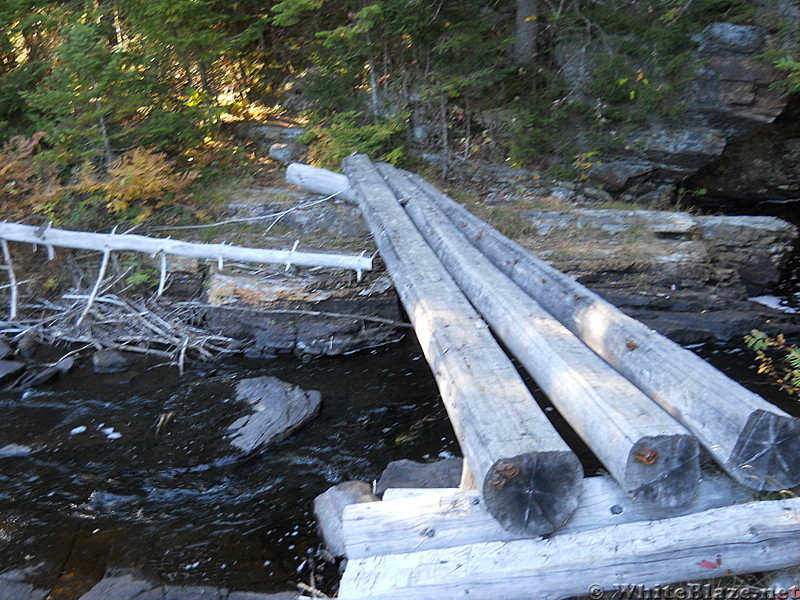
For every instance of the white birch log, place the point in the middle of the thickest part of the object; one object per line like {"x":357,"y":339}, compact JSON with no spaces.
{"x":653,"y":457}
{"x":103,"y":242}
{"x":416,"y":519}
{"x":502,"y":431}
{"x":743,"y":538}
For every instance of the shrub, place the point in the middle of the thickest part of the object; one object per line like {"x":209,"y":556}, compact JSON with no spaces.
{"x":777,"y":359}
{"x":137,"y":182}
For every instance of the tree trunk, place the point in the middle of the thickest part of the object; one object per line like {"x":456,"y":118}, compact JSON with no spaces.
{"x":527,"y":31}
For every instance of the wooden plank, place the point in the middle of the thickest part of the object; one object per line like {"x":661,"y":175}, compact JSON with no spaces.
{"x":652,"y":456}
{"x":417,"y":519}
{"x":498,"y":423}
{"x":109,"y":242}
{"x":756,"y":442}
{"x":743,"y":538}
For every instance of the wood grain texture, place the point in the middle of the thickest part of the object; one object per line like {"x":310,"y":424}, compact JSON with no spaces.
{"x":415,"y":519}
{"x":652,"y":456}
{"x":497,"y":421}
{"x":743,"y":538}
{"x":756,"y":442}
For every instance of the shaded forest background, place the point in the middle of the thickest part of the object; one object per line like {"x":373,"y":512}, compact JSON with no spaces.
{"x":121,"y":110}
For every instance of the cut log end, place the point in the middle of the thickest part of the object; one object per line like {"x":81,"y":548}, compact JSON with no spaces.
{"x":664,"y":470}
{"x":533,"y":494}
{"x":767,"y":453}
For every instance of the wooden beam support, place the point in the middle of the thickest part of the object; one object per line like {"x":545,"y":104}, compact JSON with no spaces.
{"x":753,"y":440}
{"x":653,"y":457}
{"x":529,"y":478}
{"x":110,"y":242}
{"x":743,"y":538}
{"x":436,"y":519}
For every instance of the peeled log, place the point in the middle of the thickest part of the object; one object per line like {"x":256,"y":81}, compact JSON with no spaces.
{"x":754,"y":441}
{"x":109,"y":242}
{"x":530,"y":479}
{"x":319,"y":180}
{"x":651,"y":455}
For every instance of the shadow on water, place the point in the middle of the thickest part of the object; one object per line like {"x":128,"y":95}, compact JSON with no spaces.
{"x":106,"y":487}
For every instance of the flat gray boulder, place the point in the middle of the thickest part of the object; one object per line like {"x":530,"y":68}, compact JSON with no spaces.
{"x":277,"y":409}
{"x":110,"y":361}
{"x":411,"y":474}
{"x":123,"y":587}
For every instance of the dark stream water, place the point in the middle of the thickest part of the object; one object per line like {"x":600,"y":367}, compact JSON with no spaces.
{"x":103,"y":490}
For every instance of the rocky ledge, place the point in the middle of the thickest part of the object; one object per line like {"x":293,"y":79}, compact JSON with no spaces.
{"x":687,"y":276}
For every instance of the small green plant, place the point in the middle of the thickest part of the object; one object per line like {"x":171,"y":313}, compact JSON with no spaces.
{"x":776,"y":358}
{"x":140,"y":274}
{"x":343,"y":134}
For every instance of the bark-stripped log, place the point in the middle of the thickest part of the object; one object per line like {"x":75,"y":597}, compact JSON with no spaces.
{"x":109,"y":242}
{"x":743,"y":538}
{"x":530,"y":480}
{"x":651,"y":455}
{"x":753,"y":440}
{"x":319,"y":180}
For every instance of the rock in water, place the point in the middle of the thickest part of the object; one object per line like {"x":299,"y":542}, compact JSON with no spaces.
{"x":279,"y":408}
{"x":110,"y":361}
{"x":9,"y":368}
{"x":329,"y":508}
{"x":411,"y":474}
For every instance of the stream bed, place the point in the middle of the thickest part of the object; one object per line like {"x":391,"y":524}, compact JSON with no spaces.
{"x":125,"y":470}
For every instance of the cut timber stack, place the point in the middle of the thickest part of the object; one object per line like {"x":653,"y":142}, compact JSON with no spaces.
{"x":529,"y":477}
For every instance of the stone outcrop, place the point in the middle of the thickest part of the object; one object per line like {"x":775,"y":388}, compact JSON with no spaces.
{"x":305,"y":315}
{"x":687,"y":276}
{"x":729,"y":96}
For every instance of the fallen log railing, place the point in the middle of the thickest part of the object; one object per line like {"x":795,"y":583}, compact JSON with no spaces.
{"x":653,"y":458}
{"x":112,"y":242}
{"x":754,"y":441}
{"x":528,"y":477}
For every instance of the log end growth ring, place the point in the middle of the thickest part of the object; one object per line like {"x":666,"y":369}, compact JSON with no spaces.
{"x":533,"y":494}
{"x":664,"y":470}
{"x":767,"y":453}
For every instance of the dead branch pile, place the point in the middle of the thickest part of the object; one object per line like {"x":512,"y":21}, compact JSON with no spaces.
{"x":148,"y":327}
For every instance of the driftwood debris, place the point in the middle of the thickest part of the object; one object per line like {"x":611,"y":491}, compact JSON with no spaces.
{"x":529,"y":478}
{"x":653,"y":458}
{"x":755,"y":442}
{"x":743,"y":538}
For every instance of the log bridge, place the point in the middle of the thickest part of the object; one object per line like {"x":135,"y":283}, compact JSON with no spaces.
{"x":525,"y":521}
